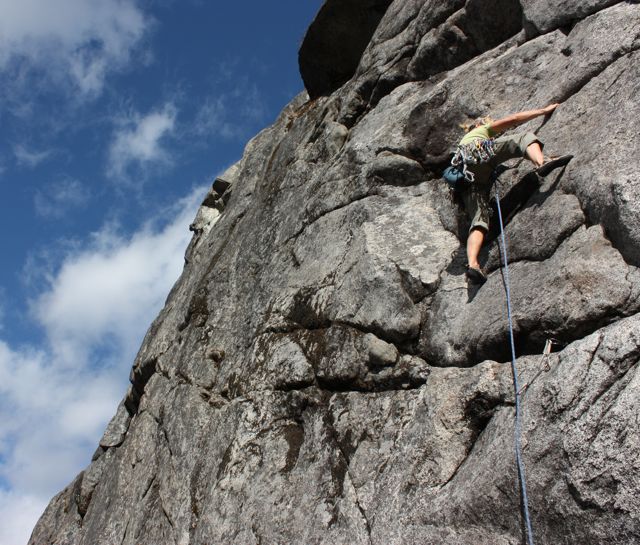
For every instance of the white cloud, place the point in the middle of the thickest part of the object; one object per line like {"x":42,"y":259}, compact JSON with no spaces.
{"x":29,"y":158}
{"x":18,"y":513}
{"x":77,"y":41}
{"x":107,"y":289}
{"x":56,"y":399}
{"x":139,"y":141}
{"x":57,"y":199}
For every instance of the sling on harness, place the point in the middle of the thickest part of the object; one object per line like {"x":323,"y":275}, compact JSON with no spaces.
{"x":474,"y":153}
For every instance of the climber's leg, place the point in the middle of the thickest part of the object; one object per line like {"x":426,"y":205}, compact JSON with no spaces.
{"x":476,"y":205}
{"x":515,"y":146}
{"x":474,"y":244}
{"x":527,"y":145}
{"x":534,"y":153}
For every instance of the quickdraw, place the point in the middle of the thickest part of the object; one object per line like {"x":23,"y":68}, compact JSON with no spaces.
{"x":474,"y":153}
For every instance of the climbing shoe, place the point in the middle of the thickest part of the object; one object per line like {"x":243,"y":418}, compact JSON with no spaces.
{"x":476,"y":276}
{"x":552,"y":164}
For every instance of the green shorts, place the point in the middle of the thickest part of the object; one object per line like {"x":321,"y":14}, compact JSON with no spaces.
{"x":476,"y":205}
{"x":475,"y":196}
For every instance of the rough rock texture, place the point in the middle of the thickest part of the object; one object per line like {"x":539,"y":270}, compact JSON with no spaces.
{"x":322,"y":373}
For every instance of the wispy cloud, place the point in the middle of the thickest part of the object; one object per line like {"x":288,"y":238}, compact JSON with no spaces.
{"x":138,"y":142}
{"x":231,"y":113}
{"x":56,"y":399}
{"x":214,"y":119}
{"x":253,"y":105}
{"x":55,"y":200}
{"x":69,"y":41}
{"x":30,"y":158}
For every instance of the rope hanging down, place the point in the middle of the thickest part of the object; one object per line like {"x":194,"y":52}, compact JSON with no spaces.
{"x":516,"y":385}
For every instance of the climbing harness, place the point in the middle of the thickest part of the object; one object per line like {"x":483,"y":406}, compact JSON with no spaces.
{"x":474,"y":153}
{"x":514,"y":371}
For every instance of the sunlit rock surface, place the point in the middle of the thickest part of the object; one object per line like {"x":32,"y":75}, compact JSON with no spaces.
{"x":322,"y":373}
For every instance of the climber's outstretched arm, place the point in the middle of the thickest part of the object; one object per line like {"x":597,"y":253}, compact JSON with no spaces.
{"x":514,"y":120}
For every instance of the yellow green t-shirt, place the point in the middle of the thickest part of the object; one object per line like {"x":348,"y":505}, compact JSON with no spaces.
{"x":483,"y":132}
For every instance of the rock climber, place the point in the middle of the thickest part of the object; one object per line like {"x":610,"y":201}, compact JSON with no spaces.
{"x":478,"y":154}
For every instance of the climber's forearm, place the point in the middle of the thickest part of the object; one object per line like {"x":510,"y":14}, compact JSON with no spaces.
{"x":514,"y":120}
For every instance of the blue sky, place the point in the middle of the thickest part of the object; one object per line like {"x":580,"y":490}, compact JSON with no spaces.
{"x":115,"y":116}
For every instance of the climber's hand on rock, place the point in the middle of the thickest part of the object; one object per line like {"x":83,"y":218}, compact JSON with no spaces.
{"x":547,"y":110}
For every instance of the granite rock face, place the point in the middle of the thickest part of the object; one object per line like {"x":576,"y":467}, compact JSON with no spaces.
{"x":323,"y":374}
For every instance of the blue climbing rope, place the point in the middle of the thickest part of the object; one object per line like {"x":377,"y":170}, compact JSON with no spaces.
{"x":516,"y":385}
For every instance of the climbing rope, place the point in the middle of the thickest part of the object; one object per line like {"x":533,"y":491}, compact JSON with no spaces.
{"x":514,"y":371}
